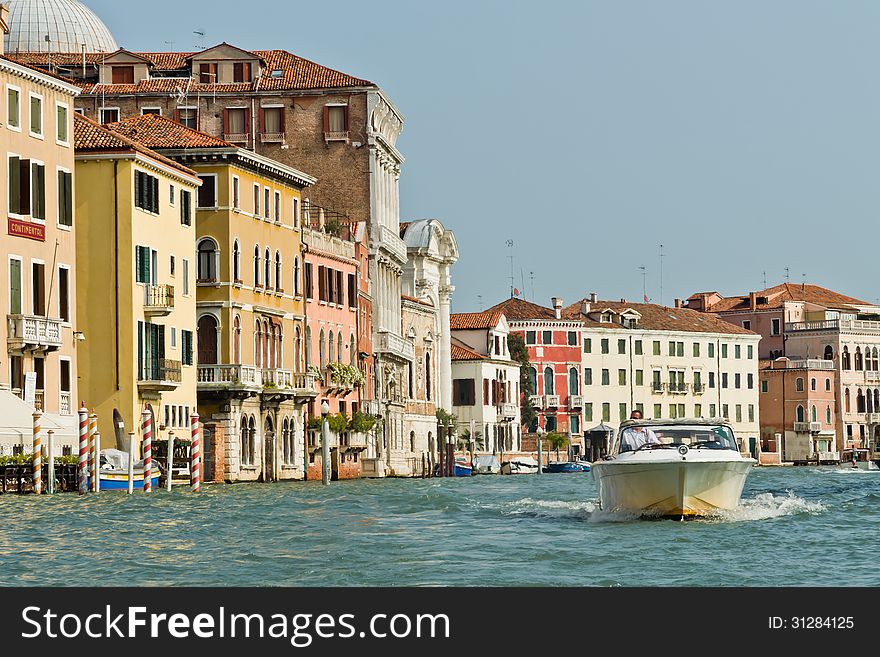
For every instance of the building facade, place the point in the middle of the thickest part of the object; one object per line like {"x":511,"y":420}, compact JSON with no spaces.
{"x":136,"y":283}
{"x":39,"y":271}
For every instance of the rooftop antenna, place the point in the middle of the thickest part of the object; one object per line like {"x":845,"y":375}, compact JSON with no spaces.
{"x":201,"y":35}
{"x":170,"y":45}
{"x":522,"y":282}
{"x":48,"y":40}
{"x":510,"y":246}
{"x":765,"y":280}
{"x":84,"y":59}
{"x":644,"y":271}
{"x":661,"y":274}
{"x":532,"y":280}
{"x":480,"y":301}
{"x":787,"y":274}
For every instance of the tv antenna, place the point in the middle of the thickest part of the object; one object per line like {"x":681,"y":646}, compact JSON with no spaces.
{"x":510,"y":246}
{"x":532,"y":281}
{"x":661,"y":274}
{"x":644,"y":271}
{"x":787,"y":274}
{"x":480,"y":301}
{"x":170,"y":45}
{"x":201,"y":34}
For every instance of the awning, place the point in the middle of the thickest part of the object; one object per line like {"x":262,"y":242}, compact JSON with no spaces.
{"x":17,"y":421}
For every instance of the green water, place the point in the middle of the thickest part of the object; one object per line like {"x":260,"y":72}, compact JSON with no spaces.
{"x":795,"y":526}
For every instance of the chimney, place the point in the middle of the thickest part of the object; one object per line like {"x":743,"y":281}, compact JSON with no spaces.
{"x":753,"y":300}
{"x":557,"y":307}
{"x":586,"y":307}
{"x":594,"y":298}
{"x":678,"y":303}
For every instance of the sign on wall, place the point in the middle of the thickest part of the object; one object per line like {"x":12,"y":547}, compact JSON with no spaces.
{"x":27,"y":230}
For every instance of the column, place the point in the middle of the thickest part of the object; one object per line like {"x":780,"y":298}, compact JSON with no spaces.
{"x":444,"y":364}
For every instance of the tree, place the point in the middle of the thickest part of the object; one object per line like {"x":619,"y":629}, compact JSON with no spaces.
{"x":557,"y":441}
{"x":520,"y":353}
{"x":464,"y":440}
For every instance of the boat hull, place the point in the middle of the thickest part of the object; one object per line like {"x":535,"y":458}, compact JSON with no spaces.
{"x":518,"y":468}
{"x":119,"y":481}
{"x":671,"y":488}
{"x":461,"y":470}
{"x":554,"y":468}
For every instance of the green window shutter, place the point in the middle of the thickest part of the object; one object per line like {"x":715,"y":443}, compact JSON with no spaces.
{"x":140,"y":332}
{"x":14,"y":185}
{"x":137,"y":189}
{"x":15,"y":287}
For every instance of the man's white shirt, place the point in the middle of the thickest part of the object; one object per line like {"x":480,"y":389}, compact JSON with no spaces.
{"x":635,"y":439}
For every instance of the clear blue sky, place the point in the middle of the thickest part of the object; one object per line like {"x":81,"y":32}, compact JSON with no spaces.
{"x":740,"y":135}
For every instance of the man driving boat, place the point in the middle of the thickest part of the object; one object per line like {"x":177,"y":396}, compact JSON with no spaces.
{"x":633,"y":438}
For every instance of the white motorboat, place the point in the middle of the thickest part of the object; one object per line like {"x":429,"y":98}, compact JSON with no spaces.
{"x":694,"y":468}
{"x":520,"y":465}
{"x":857,"y":459}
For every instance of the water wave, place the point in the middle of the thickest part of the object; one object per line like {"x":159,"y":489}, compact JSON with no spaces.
{"x":765,"y":506}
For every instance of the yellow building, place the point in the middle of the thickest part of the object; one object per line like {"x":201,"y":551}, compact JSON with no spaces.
{"x":38,"y":275}
{"x":252,"y":385}
{"x":136,"y":283}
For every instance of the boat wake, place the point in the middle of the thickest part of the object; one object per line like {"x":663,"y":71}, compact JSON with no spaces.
{"x":765,"y":506}
{"x":557,"y":509}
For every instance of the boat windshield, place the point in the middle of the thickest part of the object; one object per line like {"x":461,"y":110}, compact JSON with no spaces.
{"x":695,"y":437}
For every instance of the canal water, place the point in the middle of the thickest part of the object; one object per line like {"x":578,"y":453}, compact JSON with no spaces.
{"x":795,"y":526}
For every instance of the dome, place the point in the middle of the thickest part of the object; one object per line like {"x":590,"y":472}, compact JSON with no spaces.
{"x":68,"y":23}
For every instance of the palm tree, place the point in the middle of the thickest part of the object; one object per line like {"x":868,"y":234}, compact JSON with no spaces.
{"x":464,"y":440}
{"x":557,"y":441}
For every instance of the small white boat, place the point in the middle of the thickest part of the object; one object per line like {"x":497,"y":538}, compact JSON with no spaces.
{"x":695,"y":468}
{"x":520,"y":465}
{"x":857,"y":459}
{"x":487,"y":465}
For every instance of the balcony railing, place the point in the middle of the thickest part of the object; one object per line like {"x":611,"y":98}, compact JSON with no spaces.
{"x":395,"y":345}
{"x":867,"y":326}
{"x":272,"y":137}
{"x":390,"y":241}
{"x":537,"y":401}
{"x":699,"y":388}
{"x":807,"y":427}
{"x":27,"y":332}
{"x":65,"y":407}
{"x":226,"y":376}
{"x":658,"y":387}
{"x":872,"y":418}
{"x":872,"y":376}
{"x":371,"y":407}
{"x":551,"y":401}
{"x":40,"y":399}
{"x":236,"y":137}
{"x":811,"y":364}
{"x":354,"y":440}
{"x":678,"y":388}
{"x":159,"y":299}
{"x":162,"y":375}
{"x":575,"y":401}
{"x":338,"y":135}
{"x":508,"y":411}
{"x":277,"y":378}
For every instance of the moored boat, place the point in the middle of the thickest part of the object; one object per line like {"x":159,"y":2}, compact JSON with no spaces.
{"x":857,"y":459}
{"x":567,"y":467}
{"x":520,"y":465}
{"x":462,"y":469}
{"x":692,"y":468}
{"x":486,"y":465}
{"x":113,"y":473}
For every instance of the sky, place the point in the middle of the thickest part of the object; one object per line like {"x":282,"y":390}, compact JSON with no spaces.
{"x":740,"y":136}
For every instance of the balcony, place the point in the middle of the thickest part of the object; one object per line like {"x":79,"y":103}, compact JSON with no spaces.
{"x":273,"y":137}
{"x":575,"y":401}
{"x":854,"y":325}
{"x":657,"y":387}
{"x":161,"y":376}
{"x":872,"y":376}
{"x":508,"y":411}
{"x":551,"y":401}
{"x":678,"y":388}
{"x":339,"y":135}
{"x":811,"y":364}
{"x":807,"y":427}
{"x":391,"y":242}
{"x":537,"y":401}
{"x":287,"y":384}
{"x":65,"y":405}
{"x":31,"y":333}
{"x":699,"y":388}
{"x":396,"y":346}
{"x":354,"y":440}
{"x":237,"y":138}
{"x":371,"y":407}
{"x":872,"y":418}
{"x":227,"y":377}
{"x":158,"y":300}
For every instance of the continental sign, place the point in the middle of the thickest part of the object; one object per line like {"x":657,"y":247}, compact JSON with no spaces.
{"x":27,"y":230}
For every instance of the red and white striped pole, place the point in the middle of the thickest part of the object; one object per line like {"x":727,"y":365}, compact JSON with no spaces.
{"x":93,"y":456}
{"x":38,"y":454}
{"x":147,"y":436}
{"x":82,"y":473}
{"x":195,"y":468}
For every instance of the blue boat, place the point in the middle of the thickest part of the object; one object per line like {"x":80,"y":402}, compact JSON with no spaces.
{"x":567,"y":467}
{"x":463,"y":469}
{"x":119,"y":480}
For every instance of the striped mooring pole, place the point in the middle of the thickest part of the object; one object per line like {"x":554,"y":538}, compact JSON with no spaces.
{"x":96,"y":466}
{"x":82,"y":472}
{"x":195,"y":468}
{"x":93,"y":455}
{"x":38,"y":454}
{"x":147,"y":434}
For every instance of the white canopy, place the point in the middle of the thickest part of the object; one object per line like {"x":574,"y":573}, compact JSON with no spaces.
{"x":17,"y":422}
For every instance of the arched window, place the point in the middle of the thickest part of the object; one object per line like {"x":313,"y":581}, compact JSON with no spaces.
{"x":860,"y":401}
{"x":846,"y":362}
{"x":533,"y":380}
{"x":279,"y":277}
{"x":236,"y":340}
{"x":412,"y":441}
{"x":286,"y":455}
{"x":799,"y":384}
{"x":876,"y":356}
{"x":858,"y":360}
{"x":548,"y":381}
{"x":236,"y":262}
{"x":828,"y":415}
{"x":339,"y":347}
{"x":828,"y":385}
{"x":257,"y":266}
{"x":869,"y":402}
{"x":322,"y":350}
{"x":207,"y":339}
{"x":829,"y":353}
{"x":353,"y":347}
{"x":267,"y":334}
{"x":258,"y":344}
{"x":814,"y":416}
{"x":573,"y":381}
{"x":877,"y":401}
{"x":799,"y":414}
{"x":296,"y":276}
{"x":813,"y":384}
{"x":267,"y":269}
{"x":332,"y":345}
{"x":279,"y":347}
{"x":207,"y":265}
{"x":846,"y":401}
{"x":308,"y":346}
{"x":245,"y":441}
{"x":297,"y":350}
{"x":428,"y":376}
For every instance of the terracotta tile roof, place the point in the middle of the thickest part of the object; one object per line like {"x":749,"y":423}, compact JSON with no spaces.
{"x":460,"y":352}
{"x":154,"y":131}
{"x":519,"y":309}
{"x":92,"y":137}
{"x":658,"y":318}
{"x":473,"y":321}
{"x":297,"y":73}
{"x":789,"y":292}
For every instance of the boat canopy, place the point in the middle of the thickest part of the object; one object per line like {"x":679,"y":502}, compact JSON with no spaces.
{"x":696,"y":434}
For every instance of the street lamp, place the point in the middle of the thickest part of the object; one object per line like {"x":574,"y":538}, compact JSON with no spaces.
{"x":540,"y":433}
{"x":325,"y":443}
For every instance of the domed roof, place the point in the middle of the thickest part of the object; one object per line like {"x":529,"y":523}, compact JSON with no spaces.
{"x":69,"y":25}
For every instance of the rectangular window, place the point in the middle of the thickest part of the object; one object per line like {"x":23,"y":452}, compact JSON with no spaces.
{"x":712,"y":410}
{"x":737,"y":351}
{"x":267,"y":202}
{"x":36,"y":116}
{"x":256,"y":201}
{"x":751,"y":412}
{"x":146,"y":192}
{"x":711,"y":379}
{"x":588,"y":376}
{"x":765,"y":386}
{"x":696,"y":349}
{"x":737,"y":381}
{"x":606,"y":412}
{"x":547,"y":337}
{"x":235,"y":124}
{"x":352,"y":291}
{"x":236,"y":193}
{"x":208,"y":192}
{"x":698,"y":410}
{"x":751,"y":381}
{"x":171,"y":194}
{"x":739,"y":413}
{"x":656,"y":347}
{"x":296,"y":213}
{"x":185,"y":264}
{"x":775,"y":326}
{"x":588,"y":345}
{"x":724,"y":379}
{"x":151,"y":110}
{"x":13,"y":108}
{"x":672,"y":349}
{"x":241,"y":72}
{"x":711,"y":350}
{"x":638,"y":347}
{"x":747,"y":325}
{"x":173,"y":338}
{"x":724,"y":351}
{"x":38,"y":191}
{"x":679,"y":349}
{"x":658,"y":411}
{"x":751,"y":352}
{"x":588,"y":412}
{"x":15,"y":287}
{"x":143,"y":260}
{"x":335,"y":121}
{"x":340,"y":294}
{"x":122,"y":74}
{"x":172,"y":265}
{"x":621,"y":377}
{"x":38,"y":287}
{"x":308,"y":280}
{"x":65,"y":375}
{"x":640,"y":378}
{"x":16,"y":185}
{"x":208,"y":74}
{"x":188,"y":116}
{"x":530,"y":337}
{"x":621,"y":346}
{"x":185,"y":207}
{"x":273,"y":123}
{"x":622,"y":412}
{"x":673,"y":411}
{"x":186,"y":343}
{"x":640,"y":408}
{"x":463,"y":392}
{"x":606,"y":377}
{"x":277,"y":207}
{"x":606,"y":346}
{"x":62,"y":123}
{"x":572,"y":339}
{"x":725,"y":411}
{"x":65,"y":198}
{"x":64,"y":293}
{"x":108,"y":115}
